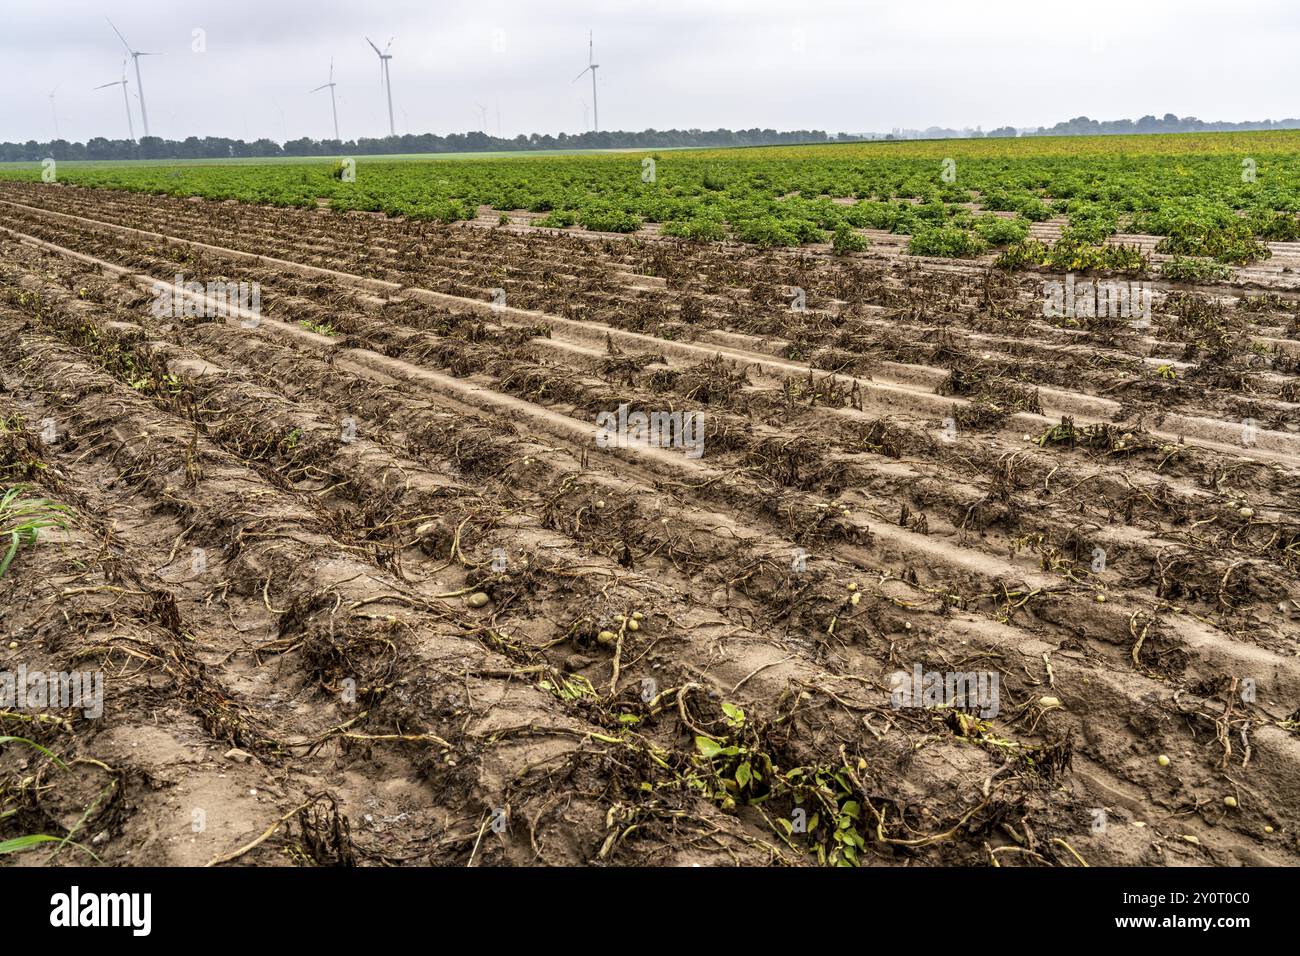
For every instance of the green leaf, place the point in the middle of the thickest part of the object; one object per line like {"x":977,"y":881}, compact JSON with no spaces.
{"x":8,"y":558}
{"x":19,"y":844}
{"x":735,"y":715}
{"x":743,"y":774}
{"x":709,"y":747}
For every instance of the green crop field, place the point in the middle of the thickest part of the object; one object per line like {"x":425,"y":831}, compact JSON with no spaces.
{"x":1213,"y":197}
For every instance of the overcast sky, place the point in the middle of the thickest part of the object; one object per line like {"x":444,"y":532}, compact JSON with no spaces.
{"x":870,"y":65}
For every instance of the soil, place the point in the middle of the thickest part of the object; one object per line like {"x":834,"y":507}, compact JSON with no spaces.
{"x":278,"y":532}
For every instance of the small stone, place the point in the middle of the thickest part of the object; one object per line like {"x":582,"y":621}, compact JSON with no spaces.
{"x":1268,"y":829}
{"x":477,"y":599}
{"x":1047,"y":703}
{"x":576,"y":662}
{"x":1229,"y":801}
{"x":237,"y":755}
{"x":1246,"y":512}
{"x":1163,"y":760}
{"x":13,"y":645}
{"x":1191,"y":839}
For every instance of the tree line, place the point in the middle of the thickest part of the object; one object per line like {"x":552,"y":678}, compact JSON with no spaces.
{"x":1169,"y":123}
{"x":220,"y":147}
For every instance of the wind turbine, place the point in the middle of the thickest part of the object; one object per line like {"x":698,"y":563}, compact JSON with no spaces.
{"x":284,"y":127}
{"x":482,"y":112}
{"x":333,"y":105}
{"x":135,"y":56}
{"x":592,"y":66}
{"x":384,"y":57}
{"x":125,"y":100}
{"x":54,"y":111}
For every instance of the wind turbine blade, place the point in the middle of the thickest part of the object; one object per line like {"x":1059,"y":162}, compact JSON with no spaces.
{"x":321,"y":87}
{"x":581,"y":75}
{"x":106,"y":85}
{"x":119,"y":35}
{"x":373,"y":47}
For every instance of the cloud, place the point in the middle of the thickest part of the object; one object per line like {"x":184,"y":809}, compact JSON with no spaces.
{"x":852,"y":66}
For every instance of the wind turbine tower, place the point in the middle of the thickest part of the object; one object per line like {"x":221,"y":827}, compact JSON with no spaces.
{"x":592,"y":67}
{"x":130,"y":125}
{"x":384,"y":57}
{"x":333,"y":104}
{"x":139,"y":85}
